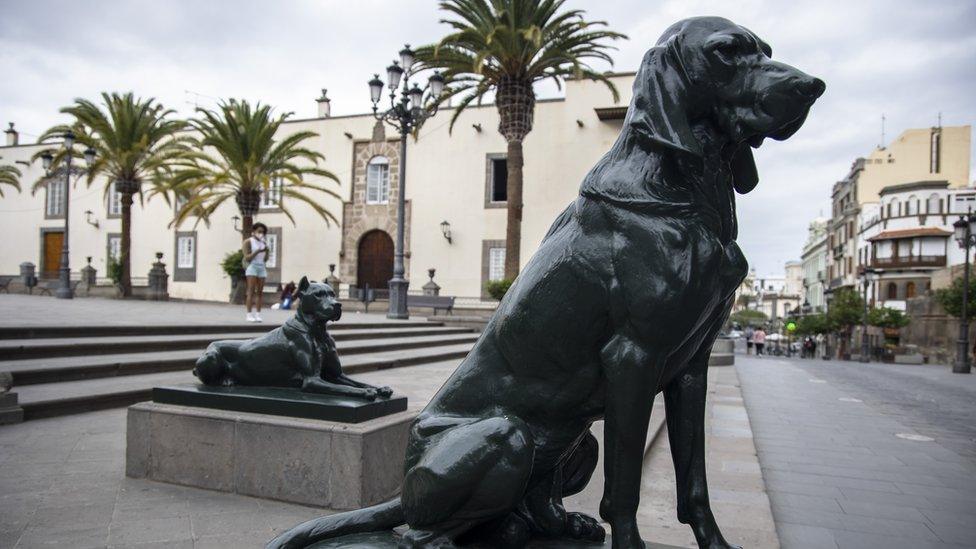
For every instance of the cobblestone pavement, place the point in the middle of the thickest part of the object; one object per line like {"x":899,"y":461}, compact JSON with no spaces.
{"x":35,"y":310}
{"x":865,"y":455}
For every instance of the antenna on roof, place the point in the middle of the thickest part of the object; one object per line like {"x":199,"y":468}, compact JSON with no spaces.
{"x":940,"y":119}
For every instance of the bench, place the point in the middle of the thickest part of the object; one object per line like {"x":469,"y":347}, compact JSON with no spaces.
{"x":435,"y":302}
{"x":48,"y":286}
{"x":5,"y":283}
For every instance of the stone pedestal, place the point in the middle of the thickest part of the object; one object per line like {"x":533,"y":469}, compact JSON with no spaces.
{"x":311,"y":462}
{"x":10,"y":410}
{"x":722,"y":353}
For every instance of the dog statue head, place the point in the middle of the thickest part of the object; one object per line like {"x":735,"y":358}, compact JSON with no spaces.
{"x":709,"y":67}
{"x":317,"y":302}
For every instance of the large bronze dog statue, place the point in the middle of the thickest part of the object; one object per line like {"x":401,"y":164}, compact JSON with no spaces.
{"x":299,"y":354}
{"x":623,"y":300}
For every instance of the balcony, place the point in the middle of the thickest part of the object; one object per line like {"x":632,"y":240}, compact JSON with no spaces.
{"x":910,"y":261}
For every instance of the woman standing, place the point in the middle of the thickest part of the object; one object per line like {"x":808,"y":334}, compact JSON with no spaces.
{"x":255,"y":255}
{"x":759,"y":338}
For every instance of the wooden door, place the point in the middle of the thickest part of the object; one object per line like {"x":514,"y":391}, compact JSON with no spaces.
{"x":375,"y":260}
{"x":52,"y":254}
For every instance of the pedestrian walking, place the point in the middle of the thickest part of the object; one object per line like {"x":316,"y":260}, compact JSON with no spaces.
{"x":256,"y":251}
{"x":749,"y":336}
{"x":759,"y":338}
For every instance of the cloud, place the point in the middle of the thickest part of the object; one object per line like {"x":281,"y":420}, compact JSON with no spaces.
{"x":907,"y":60}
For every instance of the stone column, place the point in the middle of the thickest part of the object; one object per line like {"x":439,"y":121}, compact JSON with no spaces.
{"x":88,"y":273}
{"x":431,"y":288}
{"x":158,"y":280}
{"x":332,"y":279}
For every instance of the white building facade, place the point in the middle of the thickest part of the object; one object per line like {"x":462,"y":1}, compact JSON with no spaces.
{"x":907,"y":236}
{"x":453,"y":180}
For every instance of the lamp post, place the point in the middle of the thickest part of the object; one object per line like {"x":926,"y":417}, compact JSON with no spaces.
{"x":64,"y":290}
{"x":965,"y":234}
{"x":406,"y":113}
{"x":866,"y":277}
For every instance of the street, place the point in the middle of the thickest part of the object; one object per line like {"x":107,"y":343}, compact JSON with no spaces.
{"x":864,"y":455}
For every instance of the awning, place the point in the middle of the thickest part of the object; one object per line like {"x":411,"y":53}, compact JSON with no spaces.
{"x":909,"y":233}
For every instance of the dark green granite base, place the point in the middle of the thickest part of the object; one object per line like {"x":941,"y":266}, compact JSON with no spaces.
{"x":279,"y":401}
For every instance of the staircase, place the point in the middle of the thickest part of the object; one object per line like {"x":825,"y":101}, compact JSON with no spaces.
{"x":74,"y":369}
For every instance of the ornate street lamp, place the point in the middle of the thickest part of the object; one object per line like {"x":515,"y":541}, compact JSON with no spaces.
{"x":965,"y":235}
{"x":64,"y":290}
{"x":407,"y":112}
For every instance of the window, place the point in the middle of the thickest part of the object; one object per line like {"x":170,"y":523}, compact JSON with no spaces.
{"x":114,"y":247}
{"x":892,"y":290}
{"x":114,"y":202}
{"x":185,"y":252}
{"x":935,"y":146}
{"x":933,"y":204}
{"x":272,"y":241}
{"x":496,"y":263}
{"x":54,"y":206}
{"x":963,"y":203}
{"x":271,"y":196}
{"x":911,"y":207}
{"x":496,"y":181}
{"x":909,"y":290}
{"x":186,"y":257}
{"x":378,"y":180}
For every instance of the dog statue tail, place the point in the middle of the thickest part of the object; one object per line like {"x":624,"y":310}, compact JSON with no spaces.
{"x":380,"y":517}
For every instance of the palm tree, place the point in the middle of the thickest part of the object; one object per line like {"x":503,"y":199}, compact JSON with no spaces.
{"x":247,"y":160}
{"x":506,"y":46}
{"x":136,"y":143}
{"x":9,"y":175}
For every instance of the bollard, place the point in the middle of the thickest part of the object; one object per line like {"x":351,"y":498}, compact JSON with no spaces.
{"x":28,"y":276}
{"x":88,"y":273}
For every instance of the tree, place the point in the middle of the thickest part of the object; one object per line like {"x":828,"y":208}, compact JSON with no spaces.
{"x":506,"y":46}
{"x":246,"y":159}
{"x":886,"y":317}
{"x":748,"y":317}
{"x":813,"y":324}
{"x":846,"y":311}
{"x":951,"y":298}
{"x":9,"y":175}
{"x":136,"y":144}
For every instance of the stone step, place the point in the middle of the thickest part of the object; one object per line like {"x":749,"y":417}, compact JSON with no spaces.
{"x":61,"y":369}
{"x":20,"y":349}
{"x":35,"y":332}
{"x":74,"y":397}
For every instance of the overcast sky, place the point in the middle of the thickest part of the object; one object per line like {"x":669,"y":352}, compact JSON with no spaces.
{"x":907,"y":59}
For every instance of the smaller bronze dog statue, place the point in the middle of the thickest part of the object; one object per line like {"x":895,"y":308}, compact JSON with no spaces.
{"x":298,"y":354}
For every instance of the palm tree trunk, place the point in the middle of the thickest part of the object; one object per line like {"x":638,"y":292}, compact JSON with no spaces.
{"x":515,"y":100}
{"x":513,"y":229}
{"x":248,"y":202}
{"x":247,"y":222}
{"x":126,"y":278}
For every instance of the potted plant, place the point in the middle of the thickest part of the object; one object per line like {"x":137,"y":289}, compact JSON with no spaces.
{"x":233,"y":266}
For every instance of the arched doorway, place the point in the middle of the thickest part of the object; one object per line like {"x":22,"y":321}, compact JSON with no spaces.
{"x":375,"y":260}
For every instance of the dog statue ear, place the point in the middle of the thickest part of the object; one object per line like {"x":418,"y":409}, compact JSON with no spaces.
{"x":745,"y":176}
{"x":656,"y":112}
{"x":303,"y":285}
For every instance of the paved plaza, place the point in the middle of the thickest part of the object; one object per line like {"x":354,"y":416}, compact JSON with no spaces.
{"x":801,"y":453}
{"x":865,"y":455}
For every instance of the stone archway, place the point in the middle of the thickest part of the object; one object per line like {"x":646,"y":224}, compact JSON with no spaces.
{"x":374,"y":260}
